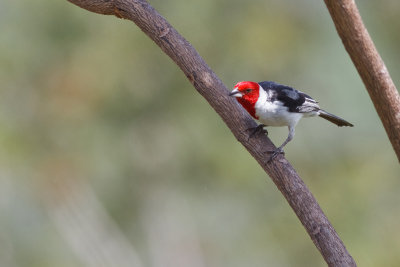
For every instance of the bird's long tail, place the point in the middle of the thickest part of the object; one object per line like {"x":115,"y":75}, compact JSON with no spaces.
{"x":334,"y":119}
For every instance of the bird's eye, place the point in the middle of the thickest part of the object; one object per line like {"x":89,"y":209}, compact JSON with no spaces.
{"x":248,"y":90}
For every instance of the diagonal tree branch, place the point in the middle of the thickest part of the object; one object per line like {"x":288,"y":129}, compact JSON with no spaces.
{"x":369,"y":65}
{"x":236,"y":118}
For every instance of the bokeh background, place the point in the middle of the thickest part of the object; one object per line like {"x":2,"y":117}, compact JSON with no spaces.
{"x":109,"y":157}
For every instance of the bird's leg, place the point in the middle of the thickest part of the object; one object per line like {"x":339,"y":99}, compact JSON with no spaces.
{"x":255,"y":130}
{"x":279,"y":150}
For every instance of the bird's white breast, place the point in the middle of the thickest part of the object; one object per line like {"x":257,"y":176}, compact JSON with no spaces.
{"x":274,"y":113}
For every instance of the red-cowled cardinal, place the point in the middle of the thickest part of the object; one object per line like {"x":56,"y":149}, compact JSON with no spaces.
{"x":274,"y":104}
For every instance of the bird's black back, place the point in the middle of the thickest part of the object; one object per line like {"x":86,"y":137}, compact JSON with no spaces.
{"x":290,"y":97}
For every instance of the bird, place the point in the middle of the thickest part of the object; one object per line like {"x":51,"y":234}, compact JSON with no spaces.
{"x":274,"y":104}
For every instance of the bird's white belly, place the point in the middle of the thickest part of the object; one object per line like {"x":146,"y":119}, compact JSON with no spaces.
{"x":275,"y":114}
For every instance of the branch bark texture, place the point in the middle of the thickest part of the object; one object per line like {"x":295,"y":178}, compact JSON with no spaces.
{"x":370,"y":66}
{"x":236,"y":118}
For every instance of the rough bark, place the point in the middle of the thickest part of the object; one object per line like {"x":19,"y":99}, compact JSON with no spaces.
{"x":236,"y":118}
{"x":370,"y":66}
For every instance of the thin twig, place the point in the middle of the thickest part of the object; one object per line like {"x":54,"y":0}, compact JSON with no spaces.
{"x":370,"y":66}
{"x":236,"y":118}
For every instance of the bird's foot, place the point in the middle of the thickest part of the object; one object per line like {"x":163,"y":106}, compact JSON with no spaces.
{"x":257,"y":130}
{"x":275,"y":153}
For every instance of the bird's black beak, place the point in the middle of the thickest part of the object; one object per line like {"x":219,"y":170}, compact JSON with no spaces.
{"x":235,"y":92}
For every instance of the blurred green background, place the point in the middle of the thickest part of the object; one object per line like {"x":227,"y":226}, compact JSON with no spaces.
{"x":109,"y":157}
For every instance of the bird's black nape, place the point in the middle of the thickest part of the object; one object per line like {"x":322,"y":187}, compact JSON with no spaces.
{"x":273,"y":85}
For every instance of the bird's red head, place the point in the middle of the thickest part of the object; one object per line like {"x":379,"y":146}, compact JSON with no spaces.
{"x":247,"y":94}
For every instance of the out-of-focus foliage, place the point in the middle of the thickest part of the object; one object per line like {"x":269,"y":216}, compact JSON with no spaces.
{"x":104,"y":143}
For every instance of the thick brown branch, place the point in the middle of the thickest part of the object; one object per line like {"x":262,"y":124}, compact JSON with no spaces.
{"x":370,"y":66}
{"x":237,"y":119}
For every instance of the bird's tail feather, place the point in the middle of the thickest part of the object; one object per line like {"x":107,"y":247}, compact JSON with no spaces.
{"x":334,"y":119}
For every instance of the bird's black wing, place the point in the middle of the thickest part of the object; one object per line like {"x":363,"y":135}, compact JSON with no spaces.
{"x":291,"y":98}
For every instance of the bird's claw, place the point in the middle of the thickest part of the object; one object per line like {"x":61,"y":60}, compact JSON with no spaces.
{"x":275,"y":153}
{"x":256,"y":130}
